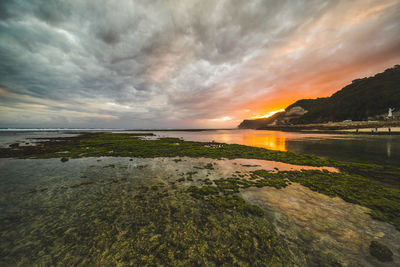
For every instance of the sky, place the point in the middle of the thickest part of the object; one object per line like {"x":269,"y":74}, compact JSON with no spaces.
{"x":183,"y":64}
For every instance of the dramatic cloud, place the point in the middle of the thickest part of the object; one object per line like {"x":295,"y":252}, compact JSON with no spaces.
{"x":167,"y":64}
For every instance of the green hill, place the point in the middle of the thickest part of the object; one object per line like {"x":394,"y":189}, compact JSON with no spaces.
{"x":363,"y":99}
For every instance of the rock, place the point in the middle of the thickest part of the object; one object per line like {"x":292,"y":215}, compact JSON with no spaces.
{"x":15,"y":145}
{"x":64,"y":159}
{"x":380,"y":251}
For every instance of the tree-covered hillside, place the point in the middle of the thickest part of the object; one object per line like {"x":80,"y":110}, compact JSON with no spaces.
{"x":257,"y":123}
{"x":362,"y":99}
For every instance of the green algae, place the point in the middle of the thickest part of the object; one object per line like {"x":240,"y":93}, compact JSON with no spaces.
{"x":208,"y":166}
{"x":123,"y":223}
{"x":219,"y":197}
{"x":82,"y":184}
{"x":223,"y":196}
{"x":349,"y":185}
{"x":95,"y":220}
{"x":109,"y":166}
{"x":383,"y":201}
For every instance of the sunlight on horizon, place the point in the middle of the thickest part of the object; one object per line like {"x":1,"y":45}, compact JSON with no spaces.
{"x":269,"y":114}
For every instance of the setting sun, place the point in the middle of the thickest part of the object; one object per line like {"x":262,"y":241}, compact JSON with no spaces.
{"x":269,"y":114}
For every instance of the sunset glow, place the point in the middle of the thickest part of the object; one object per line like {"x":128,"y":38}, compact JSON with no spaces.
{"x":183,"y":64}
{"x":200,"y":132}
{"x":269,"y":114}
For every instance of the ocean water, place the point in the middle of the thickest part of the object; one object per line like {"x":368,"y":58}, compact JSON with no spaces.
{"x":382,"y":149}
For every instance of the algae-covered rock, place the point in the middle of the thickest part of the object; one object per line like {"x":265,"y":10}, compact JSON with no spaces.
{"x":380,"y":251}
{"x":64,"y":159}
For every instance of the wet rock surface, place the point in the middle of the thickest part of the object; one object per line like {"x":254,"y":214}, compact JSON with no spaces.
{"x":324,"y":224}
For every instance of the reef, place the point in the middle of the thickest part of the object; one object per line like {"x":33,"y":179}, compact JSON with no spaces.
{"x":189,"y":219}
{"x":134,"y":145}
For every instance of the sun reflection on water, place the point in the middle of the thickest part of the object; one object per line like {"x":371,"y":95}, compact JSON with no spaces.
{"x":274,"y":142}
{"x":269,"y":142}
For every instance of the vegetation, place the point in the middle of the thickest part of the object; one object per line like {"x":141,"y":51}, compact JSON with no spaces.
{"x":208,"y":166}
{"x":224,"y":200}
{"x":359,"y":100}
{"x":362,"y":99}
{"x":383,"y":201}
{"x":122,"y":224}
{"x":352,"y":184}
{"x":162,"y":224}
{"x":131,"y":145}
{"x":258,"y":123}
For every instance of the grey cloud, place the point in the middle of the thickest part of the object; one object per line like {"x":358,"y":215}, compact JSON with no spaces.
{"x":157,"y":62}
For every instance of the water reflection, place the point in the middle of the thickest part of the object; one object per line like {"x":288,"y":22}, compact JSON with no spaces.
{"x":267,"y":139}
{"x":359,"y":148}
{"x":389,"y":148}
{"x":274,"y":142}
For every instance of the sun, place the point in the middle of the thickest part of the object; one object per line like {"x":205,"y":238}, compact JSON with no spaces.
{"x":269,"y":114}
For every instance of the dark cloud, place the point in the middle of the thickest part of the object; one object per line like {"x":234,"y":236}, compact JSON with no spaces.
{"x":174,"y":63}
{"x":4,"y":13}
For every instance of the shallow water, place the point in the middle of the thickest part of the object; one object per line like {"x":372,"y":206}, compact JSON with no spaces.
{"x":25,"y":138}
{"x":325,"y":224}
{"x":58,"y":212}
{"x":383,"y":149}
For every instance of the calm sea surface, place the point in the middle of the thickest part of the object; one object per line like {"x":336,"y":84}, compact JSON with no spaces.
{"x":383,"y":149}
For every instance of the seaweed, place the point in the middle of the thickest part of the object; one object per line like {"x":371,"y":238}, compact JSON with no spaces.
{"x":132,"y":145}
{"x":354,"y":184}
{"x":146,"y":225}
{"x":82,"y":184}
{"x":383,"y":201}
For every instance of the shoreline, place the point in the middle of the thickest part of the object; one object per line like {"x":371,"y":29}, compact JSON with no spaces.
{"x":344,"y":132}
{"x":356,"y":127}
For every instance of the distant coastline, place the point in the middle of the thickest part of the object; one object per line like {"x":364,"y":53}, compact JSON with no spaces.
{"x":106,"y":129}
{"x":376,"y":127}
